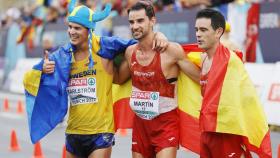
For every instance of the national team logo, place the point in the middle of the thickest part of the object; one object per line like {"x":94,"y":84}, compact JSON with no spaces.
{"x":154,"y":96}
{"x":91,"y":81}
{"x":107,"y":138}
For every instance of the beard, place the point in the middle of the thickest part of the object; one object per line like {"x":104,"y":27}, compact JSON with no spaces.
{"x":139,"y":35}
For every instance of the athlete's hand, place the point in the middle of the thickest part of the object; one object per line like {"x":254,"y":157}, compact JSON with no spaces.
{"x":48,"y":66}
{"x":160,"y":42}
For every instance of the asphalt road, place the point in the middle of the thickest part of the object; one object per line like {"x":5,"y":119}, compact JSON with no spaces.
{"x":52,"y":144}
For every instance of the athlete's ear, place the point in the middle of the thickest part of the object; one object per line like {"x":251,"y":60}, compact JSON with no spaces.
{"x":153,"y":20}
{"x":219,"y":32}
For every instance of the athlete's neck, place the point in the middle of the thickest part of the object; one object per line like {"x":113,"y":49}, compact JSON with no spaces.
{"x":146,"y":44}
{"x":211,"y":51}
{"x":83,"y":48}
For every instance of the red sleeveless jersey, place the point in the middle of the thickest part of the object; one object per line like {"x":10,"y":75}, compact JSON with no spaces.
{"x":151,"y":78}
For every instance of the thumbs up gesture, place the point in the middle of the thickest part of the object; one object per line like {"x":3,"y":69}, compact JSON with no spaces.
{"x":48,"y":66}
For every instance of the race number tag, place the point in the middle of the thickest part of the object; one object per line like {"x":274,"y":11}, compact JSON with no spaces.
{"x":82,"y":91}
{"x":145,"y":104}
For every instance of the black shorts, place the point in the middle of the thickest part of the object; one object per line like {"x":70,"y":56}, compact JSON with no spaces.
{"x":83,"y":145}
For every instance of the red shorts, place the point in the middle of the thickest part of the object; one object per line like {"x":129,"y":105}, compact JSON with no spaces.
{"x":151,"y":136}
{"x":222,"y":145}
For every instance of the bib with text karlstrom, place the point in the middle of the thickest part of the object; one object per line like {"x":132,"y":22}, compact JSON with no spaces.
{"x":82,"y":91}
{"x":145,"y":104}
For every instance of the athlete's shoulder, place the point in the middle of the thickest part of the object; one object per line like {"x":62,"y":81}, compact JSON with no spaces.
{"x":174,"y":45}
{"x":174,"y":49}
{"x":62,"y":52}
{"x":130,"y":49}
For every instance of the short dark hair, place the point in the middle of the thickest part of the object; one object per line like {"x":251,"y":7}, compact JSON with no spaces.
{"x":146,"y":5}
{"x":217,"y":19}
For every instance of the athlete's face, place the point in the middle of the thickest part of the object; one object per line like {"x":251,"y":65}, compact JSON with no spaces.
{"x":140,"y":24}
{"x":77,"y":34}
{"x":206,"y":36}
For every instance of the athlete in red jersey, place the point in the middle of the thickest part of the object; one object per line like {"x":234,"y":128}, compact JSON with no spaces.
{"x":210,"y":26}
{"x":153,"y":97}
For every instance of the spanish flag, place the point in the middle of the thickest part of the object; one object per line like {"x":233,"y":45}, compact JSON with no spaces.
{"x":189,"y":103}
{"x":230,"y":104}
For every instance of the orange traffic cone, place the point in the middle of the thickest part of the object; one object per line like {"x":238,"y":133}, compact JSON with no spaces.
{"x":38,"y":151}
{"x":6,"y":104}
{"x":278,"y":151}
{"x":64,"y":152}
{"x":19,"y":107}
{"x":14,"y":143}
{"x":123,"y":132}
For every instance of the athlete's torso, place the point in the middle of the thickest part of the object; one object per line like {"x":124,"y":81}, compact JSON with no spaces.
{"x":90,"y":94}
{"x":205,"y":68}
{"x":149,"y":80}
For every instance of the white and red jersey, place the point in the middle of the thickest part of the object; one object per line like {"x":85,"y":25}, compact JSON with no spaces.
{"x":150,"y":88}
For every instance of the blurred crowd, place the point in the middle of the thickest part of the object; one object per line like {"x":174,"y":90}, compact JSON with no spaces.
{"x":41,"y":12}
{"x":36,"y":12}
{"x":24,"y":26}
{"x":31,"y":18}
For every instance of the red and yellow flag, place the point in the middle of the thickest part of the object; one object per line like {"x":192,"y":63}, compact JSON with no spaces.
{"x":231,"y":104}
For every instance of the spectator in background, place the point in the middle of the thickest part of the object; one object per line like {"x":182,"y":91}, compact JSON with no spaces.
{"x":52,"y":14}
{"x":225,"y":39}
{"x":3,"y":22}
{"x":212,"y":3}
{"x":89,"y":3}
{"x":167,"y":5}
{"x":219,"y":2}
{"x":117,"y":6}
{"x":13,"y":51}
{"x":48,"y":43}
{"x":193,"y":3}
{"x":128,"y":4}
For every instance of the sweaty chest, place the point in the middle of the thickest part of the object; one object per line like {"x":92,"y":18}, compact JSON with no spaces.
{"x":146,"y":68}
{"x":206,"y":66}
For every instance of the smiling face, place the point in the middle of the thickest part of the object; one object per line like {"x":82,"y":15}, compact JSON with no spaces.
{"x":78,"y":34}
{"x":206,"y":36}
{"x":140,"y":24}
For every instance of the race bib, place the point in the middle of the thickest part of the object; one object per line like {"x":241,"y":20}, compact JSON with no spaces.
{"x":145,"y":104}
{"x":82,"y":91}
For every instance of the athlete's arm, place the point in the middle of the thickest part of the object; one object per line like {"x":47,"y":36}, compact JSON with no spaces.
{"x":160,"y":42}
{"x":184,"y":64}
{"x":122,"y":72}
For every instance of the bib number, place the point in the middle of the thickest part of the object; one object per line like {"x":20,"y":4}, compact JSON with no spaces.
{"x":82,"y":91}
{"x":145,"y":104}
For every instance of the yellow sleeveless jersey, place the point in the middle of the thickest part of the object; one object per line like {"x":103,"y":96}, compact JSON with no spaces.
{"x":90,"y":92}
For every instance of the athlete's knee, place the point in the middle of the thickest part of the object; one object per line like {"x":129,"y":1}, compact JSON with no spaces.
{"x":137,"y":155}
{"x":169,"y":152}
{"x":101,"y":153}
{"x":70,"y":155}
